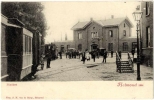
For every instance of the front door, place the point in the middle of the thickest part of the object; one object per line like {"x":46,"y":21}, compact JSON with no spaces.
{"x":94,"y":47}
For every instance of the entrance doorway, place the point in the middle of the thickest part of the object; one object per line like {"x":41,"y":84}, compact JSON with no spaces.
{"x":94,"y":47}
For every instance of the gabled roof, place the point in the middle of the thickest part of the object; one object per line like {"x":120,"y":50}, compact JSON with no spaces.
{"x":103,"y":23}
{"x":80,"y":25}
{"x":111,"y":22}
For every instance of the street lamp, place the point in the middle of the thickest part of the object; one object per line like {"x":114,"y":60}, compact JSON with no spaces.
{"x":137,"y":16}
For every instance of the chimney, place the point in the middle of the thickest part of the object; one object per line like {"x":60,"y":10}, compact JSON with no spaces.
{"x":112,"y":16}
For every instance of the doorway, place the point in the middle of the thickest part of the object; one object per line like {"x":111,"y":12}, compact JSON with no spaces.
{"x":94,"y":47}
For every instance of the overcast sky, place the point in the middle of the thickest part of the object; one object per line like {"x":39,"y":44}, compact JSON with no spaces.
{"x":62,"y":16}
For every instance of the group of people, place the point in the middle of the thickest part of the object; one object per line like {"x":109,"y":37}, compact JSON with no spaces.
{"x":76,"y":54}
{"x":86,"y":55}
{"x":73,"y":54}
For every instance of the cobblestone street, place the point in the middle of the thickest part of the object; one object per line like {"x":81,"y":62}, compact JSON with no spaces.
{"x":74,"y":70}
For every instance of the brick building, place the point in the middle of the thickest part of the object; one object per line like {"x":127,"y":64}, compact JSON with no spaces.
{"x":112,"y":34}
{"x":64,"y":45}
{"x":147,"y":32}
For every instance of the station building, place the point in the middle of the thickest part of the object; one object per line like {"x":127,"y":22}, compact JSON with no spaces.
{"x":111,"y":34}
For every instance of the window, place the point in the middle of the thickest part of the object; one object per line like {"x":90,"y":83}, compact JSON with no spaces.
{"x":23,"y":44}
{"x":110,"y":33}
{"x":148,"y":36}
{"x":94,"y":34}
{"x":125,"y":46}
{"x":79,"y":35}
{"x":110,"y":47}
{"x":124,"y":32}
{"x":147,"y":8}
{"x":124,"y":24}
{"x":80,"y":47}
{"x":30,"y":45}
{"x":27,"y":44}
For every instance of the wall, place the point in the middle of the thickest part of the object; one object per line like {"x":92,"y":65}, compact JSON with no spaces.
{"x":122,"y":28}
{"x":147,"y":20}
{"x":129,"y":41}
{"x":113,"y":39}
{"x":64,"y":43}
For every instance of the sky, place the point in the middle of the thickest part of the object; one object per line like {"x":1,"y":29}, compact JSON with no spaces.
{"x":62,"y":16}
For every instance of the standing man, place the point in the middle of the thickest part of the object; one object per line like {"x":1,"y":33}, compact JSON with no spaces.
{"x":104,"y":56}
{"x":66,"y":53}
{"x":48,"y":58}
{"x":111,"y":54}
{"x":83,"y":57}
{"x":60,"y":54}
{"x":93,"y":55}
{"x":120,"y":54}
{"x":133,"y":52}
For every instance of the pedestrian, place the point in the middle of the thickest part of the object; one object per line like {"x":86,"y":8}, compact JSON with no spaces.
{"x":120,"y":54}
{"x":60,"y":54}
{"x":69,"y":53}
{"x":111,"y":54}
{"x":48,"y":59}
{"x":133,"y":52}
{"x":93,"y":55}
{"x":79,"y":54}
{"x":75,"y":54}
{"x":104,"y":56}
{"x":83,"y":57}
{"x":66,"y":53}
{"x":87,"y":55}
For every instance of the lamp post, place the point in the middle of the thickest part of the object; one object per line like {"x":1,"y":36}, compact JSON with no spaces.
{"x":137,"y":16}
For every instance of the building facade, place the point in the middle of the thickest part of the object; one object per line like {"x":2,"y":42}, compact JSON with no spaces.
{"x":64,"y":45}
{"x":112,"y":34}
{"x":147,"y":32}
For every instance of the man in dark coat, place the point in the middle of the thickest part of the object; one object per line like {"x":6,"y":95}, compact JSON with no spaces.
{"x":111,"y":54}
{"x":120,"y":54}
{"x":48,"y":59}
{"x":93,"y":55}
{"x":83,"y":57}
{"x":133,"y":52}
{"x":60,"y":54}
{"x":104,"y":56}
